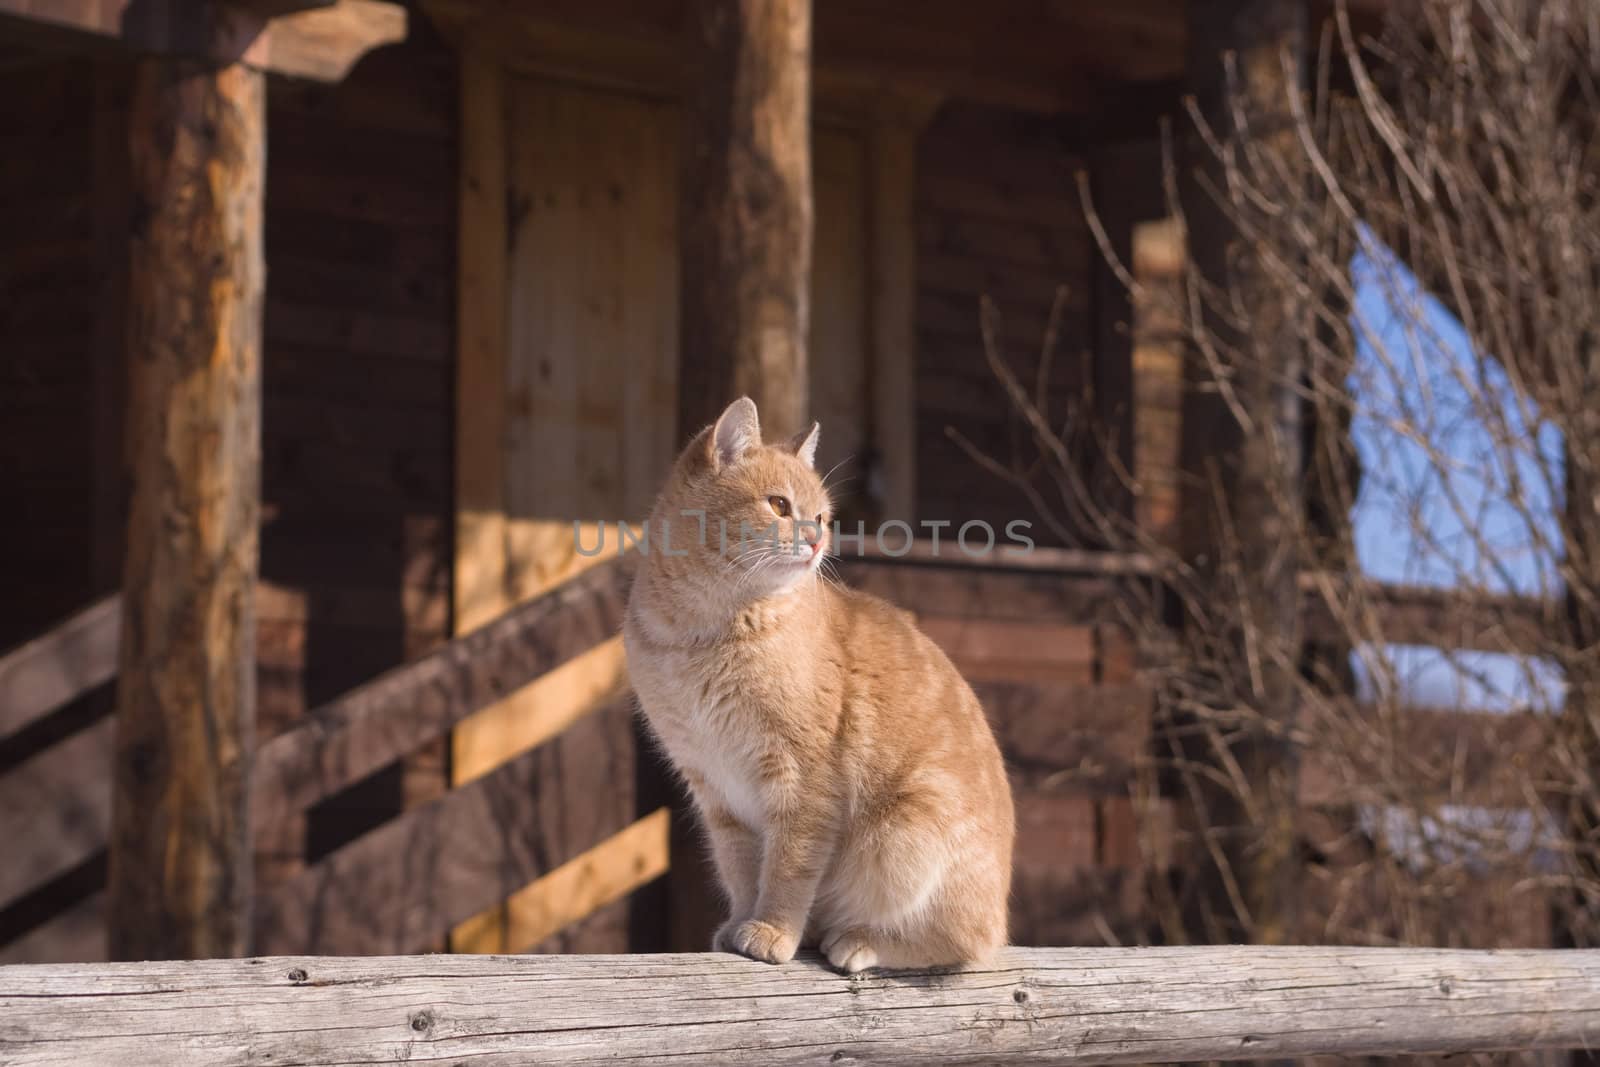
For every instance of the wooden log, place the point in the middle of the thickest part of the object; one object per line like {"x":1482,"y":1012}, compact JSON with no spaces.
{"x":180,"y":842}
{"x":318,"y":39}
{"x":1242,"y":490}
{"x":1035,"y":1006}
{"x":747,"y":214}
{"x":62,"y":665}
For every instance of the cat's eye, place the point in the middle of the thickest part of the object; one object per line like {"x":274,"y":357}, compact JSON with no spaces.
{"x":780,"y":504}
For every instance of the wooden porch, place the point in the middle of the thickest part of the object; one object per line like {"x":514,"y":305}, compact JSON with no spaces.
{"x":418,"y":733}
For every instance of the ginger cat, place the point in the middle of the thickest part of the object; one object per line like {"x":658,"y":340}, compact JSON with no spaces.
{"x":852,"y":791}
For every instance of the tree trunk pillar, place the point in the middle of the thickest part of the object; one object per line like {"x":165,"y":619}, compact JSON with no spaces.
{"x":180,"y":867}
{"x":1237,"y":522}
{"x":744,"y":306}
{"x":746,"y":214}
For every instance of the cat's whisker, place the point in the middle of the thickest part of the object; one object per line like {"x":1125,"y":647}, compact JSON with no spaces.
{"x":835,"y":467}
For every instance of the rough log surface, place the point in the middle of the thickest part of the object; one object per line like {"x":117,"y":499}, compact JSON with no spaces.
{"x":180,"y":842}
{"x":747,"y":215}
{"x":1037,"y":1006}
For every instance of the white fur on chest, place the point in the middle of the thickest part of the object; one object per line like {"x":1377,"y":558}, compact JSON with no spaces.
{"x":719,"y":742}
{"x":730,"y":772}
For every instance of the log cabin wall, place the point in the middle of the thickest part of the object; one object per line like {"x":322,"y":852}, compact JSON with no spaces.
{"x":358,"y":416}
{"x":997,"y":214}
{"x":48,"y":283}
{"x":62,"y":258}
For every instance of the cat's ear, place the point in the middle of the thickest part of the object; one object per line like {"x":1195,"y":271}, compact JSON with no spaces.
{"x":737,"y":431}
{"x":804,"y":444}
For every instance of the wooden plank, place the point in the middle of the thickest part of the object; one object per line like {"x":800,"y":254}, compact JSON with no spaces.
{"x":979,"y":593}
{"x":398,"y":888}
{"x":551,"y":182}
{"x":841,"y":337}
{"x":650,"y":326}
{"x":893,"y":155}
{"x":480,"y":345}
{"x":1036,"y":1006}
{"x":180,"y":840}
{"x":1077,"y":735}
{"x":55,"y":810}
{"x":863,"y":51}
{"x":322,"y":43}
{"x":573,"y":891}
{"x":1006,"y":554}
{"x":369,"y":727}
{"x":1421,"y":615}
{"x":538,"y":711}
{"x":60,"y":666}
{"x":996,"y":650}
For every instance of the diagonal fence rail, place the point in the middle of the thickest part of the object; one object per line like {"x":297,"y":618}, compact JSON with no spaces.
{"x":1033,"y":1006}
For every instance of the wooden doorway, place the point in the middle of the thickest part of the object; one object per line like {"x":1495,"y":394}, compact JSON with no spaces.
{"x":567,"y":388}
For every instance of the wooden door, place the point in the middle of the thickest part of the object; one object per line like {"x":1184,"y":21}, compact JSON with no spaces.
{"x":567,"y":403}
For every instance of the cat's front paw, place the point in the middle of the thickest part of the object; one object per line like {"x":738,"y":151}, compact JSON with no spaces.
{"x":761,"y":941}
{"x":722,"y":940}
{"x":849,"y":950}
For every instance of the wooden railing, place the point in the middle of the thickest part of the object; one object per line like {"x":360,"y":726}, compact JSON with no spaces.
{"x":399,"y":887}
{"x":395,"y":889}
{"x":1036,"y":1006}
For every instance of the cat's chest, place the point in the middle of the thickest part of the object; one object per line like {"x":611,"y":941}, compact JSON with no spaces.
{"x":722,"y":719}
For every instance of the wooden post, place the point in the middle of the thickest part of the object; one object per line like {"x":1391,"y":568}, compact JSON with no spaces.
{"x":180,"y":845}
{"x":1246,"y":485}
{"x":746,"y":214}
{"x":745,"y":222}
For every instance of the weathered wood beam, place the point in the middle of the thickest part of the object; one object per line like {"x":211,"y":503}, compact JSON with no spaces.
{"x":317,"y":39}
{"x":390,"y":716}
{"x":62,"y":665}
{"x":746,"y":211}
{"x":58,"y":806}
{"x":1045,"y":59}
{"x":398,"y":888}
{"x":1035,"y":1006}
{"x":180,"y":841}
{"x":1420,"y":615}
